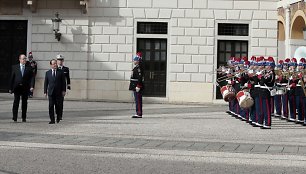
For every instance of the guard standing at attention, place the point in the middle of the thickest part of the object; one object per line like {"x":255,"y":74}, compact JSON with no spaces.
{"x":136,"y":83}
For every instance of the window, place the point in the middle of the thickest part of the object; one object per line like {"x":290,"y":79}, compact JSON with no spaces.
{"x":152,"y":27}
{"x":233,"y":29}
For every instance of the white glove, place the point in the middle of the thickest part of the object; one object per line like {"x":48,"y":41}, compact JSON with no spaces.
{"x":137,"y":89}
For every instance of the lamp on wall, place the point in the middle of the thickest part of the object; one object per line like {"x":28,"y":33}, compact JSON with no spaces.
{"x":56,"y":26}
{"x":83,"y":4}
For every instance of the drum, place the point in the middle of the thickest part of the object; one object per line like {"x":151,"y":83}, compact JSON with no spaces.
{"x":244,"y":99}
{"x":281,"y":90}
{"x":228,"y":93}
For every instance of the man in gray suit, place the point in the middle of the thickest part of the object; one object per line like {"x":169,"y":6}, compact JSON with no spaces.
{"x":55,"y":88}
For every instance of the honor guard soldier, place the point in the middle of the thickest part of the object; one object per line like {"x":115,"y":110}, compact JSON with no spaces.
{"x":292,"y":88}
{"x":299,"y":92}
{"x":66,"y":72}
{"x":258,"y":92}
{"x":243,"y":80}
{"x":136,"y":84}
{"x":266,"y":81}
{"x":278,"y":96}
{"x":33,"y":64}
{"x":252,"y":82}
{"x":284,"y":83}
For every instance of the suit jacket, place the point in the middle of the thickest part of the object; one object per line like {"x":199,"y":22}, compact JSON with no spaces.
{"x":17,"y":80}
{"x":54,"y":86}
{"x":67,"y":75}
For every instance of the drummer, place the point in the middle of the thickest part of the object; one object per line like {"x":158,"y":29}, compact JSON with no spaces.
{"x":243,"y":80}
{"x":230,"y":82}
{"x":251,"y":85}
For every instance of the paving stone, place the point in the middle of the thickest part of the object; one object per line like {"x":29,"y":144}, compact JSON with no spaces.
{"x":137,"y":143}
{"x":302,"y":150}
{"x":260,"y":148}
{"x":123,"y":142}
{"x":183,"y":145}
{"x":229,"y":147}
{"x":107,"y":142}
{"x":168,"y":145}
{"x":243,"y":148}
{"x":291,"y":149}
{"x":214,"y":146}
{"x":92,"y":142}
{"x":275,"y":149}
{"x":198,"y":146}
{"x":152,"y":144}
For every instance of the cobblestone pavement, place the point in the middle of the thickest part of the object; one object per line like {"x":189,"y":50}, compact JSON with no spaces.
{"x":184,"y":130}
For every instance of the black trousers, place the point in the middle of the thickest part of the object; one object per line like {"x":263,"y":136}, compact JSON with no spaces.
{"x":23,"y":93}
{"x":59,"y":111}
{"x":55,"y":102}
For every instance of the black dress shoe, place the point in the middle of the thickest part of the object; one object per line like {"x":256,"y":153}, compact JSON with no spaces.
{"x":15,"y":120}
{"x":52,"y":122}
{"x":24,"y":120}
{"x":58,"y":120}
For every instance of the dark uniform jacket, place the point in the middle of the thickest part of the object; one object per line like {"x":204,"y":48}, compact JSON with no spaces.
{"x":268,"y":81}
{"x":33,"y":64}
{"x":137,"y":78}
{"x":67,"y":75}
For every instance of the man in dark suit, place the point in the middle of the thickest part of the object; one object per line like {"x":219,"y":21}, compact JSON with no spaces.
{"x":55,"y":88}
{"x":21,"y":82}
{"x":60,"y":65}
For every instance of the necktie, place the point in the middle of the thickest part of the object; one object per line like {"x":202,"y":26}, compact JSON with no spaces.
{"x":22,"y":70}
{"x":53,"y":73}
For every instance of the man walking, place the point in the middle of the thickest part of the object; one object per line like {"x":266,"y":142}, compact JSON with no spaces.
{"x":60,"y":65}
{"x":21,"y":82}
{"x":55,"y":88}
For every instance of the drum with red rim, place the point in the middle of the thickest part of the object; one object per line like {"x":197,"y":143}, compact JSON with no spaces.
{"x":228,"y":93}
{"x":244,"y":99}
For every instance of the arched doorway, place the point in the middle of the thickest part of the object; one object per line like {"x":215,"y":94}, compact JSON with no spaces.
{"x":281,"y":39}
{"x":297,"y":28}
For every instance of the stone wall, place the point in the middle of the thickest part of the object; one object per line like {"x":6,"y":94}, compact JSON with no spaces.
{"x":98,"y":46}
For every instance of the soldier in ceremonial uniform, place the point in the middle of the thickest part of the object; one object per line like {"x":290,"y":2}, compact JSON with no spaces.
{"x":284,"y":83}
{"x":299,"y":92}
{"x":33,"y":64}
{"x":266,"y":83}
{"x":278,"y":98}
{"x":253,"y":80}
{"x":258,"y":93}
{"x":292,"y":86}
{"x":136,"y":84}
{"x":65,"y":70}
{"x":243,"y":80}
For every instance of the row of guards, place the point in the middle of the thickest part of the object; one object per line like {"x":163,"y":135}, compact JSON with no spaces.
{"x":258,"y":89}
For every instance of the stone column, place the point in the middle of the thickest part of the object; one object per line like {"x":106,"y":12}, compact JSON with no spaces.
{"x":287,"y":32}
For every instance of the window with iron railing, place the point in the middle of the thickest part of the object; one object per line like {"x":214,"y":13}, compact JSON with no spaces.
{"x":152,"y":28}
{"x":233,"y":29}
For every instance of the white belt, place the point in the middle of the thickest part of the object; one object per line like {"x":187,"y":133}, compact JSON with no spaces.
{"x":135,"y":80}
{"x":265,"y":87}
{"x":257,"y":86}
{"x":298,"y":85}
{"x":284,"y":84}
